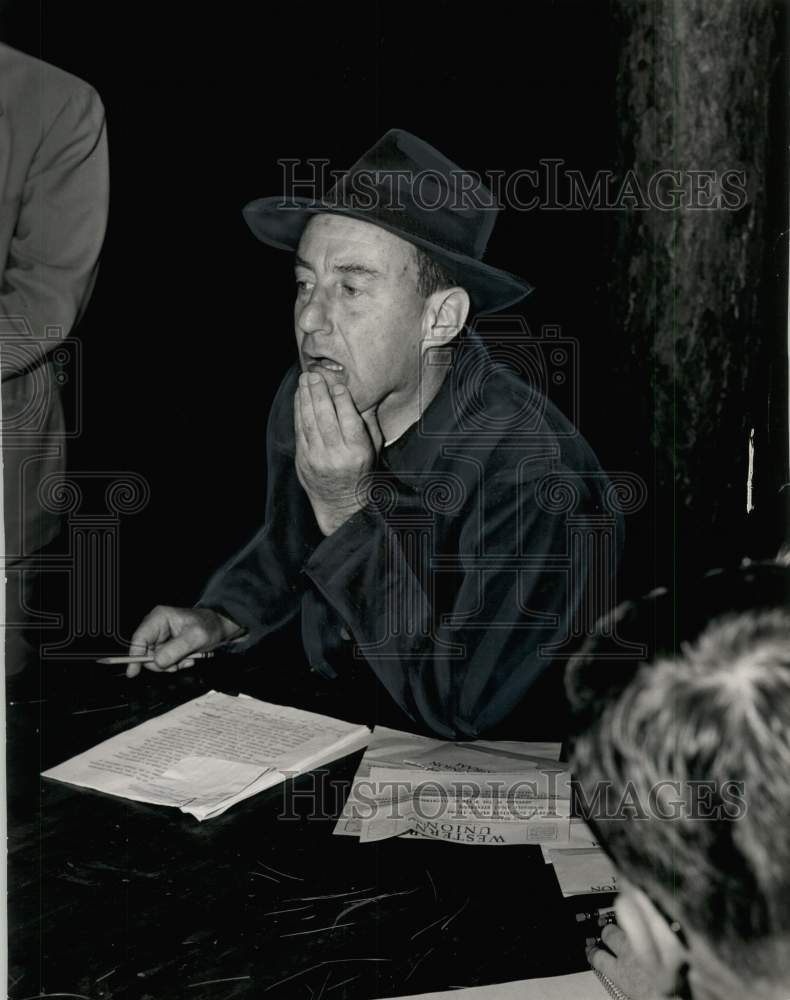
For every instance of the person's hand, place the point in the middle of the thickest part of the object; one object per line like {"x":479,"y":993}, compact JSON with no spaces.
{"x":172,"y":634}
{"x":336,"y":447}
{"x":617,"y":961}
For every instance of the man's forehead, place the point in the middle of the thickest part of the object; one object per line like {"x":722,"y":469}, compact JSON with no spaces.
{"x":334,"y":238}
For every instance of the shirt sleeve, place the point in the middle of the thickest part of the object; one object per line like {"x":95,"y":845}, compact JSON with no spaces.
{"x":54,"y":251}
{"x":457,"y":640}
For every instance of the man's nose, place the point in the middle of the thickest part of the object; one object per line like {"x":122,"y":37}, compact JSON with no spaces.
{"x":314,"y":317}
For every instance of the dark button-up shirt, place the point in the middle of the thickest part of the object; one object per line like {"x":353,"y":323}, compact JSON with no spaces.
{"x":462,"y":578}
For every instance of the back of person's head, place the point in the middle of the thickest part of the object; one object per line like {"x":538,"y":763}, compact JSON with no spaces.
{"x":683,"y":765}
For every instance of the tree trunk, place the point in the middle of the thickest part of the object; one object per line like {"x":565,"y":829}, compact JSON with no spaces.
{"x":691,"y":321}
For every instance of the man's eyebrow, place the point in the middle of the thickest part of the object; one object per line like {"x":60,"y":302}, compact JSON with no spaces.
{"x":350,"y":267}
{"x":363,"y":269}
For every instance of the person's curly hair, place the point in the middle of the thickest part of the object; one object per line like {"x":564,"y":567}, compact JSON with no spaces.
{"x":696,"y":746}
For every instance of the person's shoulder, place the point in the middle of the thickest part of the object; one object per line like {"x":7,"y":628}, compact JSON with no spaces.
{"x":33,"y":85}
{"x":514,"y":413}
{"x":510,"y":400}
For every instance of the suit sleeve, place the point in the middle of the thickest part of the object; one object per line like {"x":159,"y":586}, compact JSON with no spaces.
{"x":261,"y":586}
{"x":54,"y":251}
{"x":458,"y":640}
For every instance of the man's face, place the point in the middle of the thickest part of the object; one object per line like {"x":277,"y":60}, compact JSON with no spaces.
{"x":358,"y":314}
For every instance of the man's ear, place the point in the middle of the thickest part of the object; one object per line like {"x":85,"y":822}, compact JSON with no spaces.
{"x":655,"y":945}
{"x":444,"y":316}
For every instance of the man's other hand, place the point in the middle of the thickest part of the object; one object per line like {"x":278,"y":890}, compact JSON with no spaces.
{"x":335,"y":448}
{"x":617,"y":961}
{"x":173,"y":634}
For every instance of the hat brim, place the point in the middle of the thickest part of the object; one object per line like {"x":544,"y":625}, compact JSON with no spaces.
{"x":281,"y":225}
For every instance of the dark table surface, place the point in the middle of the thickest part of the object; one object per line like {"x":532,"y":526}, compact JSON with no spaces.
{"x":113,"y":898}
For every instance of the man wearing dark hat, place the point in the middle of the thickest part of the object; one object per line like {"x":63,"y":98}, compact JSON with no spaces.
{"x":411,"y":515}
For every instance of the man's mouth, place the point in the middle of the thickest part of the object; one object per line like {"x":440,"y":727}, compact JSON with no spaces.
{"x":324,"y":364}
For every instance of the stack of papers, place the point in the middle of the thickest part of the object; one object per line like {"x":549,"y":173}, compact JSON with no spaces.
{"x":584,"y":870}
{"x":470,"y":793}
{"x":578,"y":986}
{"x":581,"y":871}
{"x":212,"y":752}
{"x":581,"y":866}
{"x":581,"y":836}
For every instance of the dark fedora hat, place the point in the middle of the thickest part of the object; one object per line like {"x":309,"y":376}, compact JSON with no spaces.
{"x":410,"y":189}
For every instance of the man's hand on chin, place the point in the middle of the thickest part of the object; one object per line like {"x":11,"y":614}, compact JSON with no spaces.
{"x":335,"y":448}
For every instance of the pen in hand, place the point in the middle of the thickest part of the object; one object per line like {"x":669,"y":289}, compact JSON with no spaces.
{"x":597,"y":919}
{"x":149,"y":659}
{"x":606,"y":915}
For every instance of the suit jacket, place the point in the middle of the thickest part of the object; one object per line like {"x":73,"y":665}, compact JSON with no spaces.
{"x":54,"y":193}
{"x":461,"y":579}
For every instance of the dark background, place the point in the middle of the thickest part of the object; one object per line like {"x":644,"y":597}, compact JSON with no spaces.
{"x":189,"y":330}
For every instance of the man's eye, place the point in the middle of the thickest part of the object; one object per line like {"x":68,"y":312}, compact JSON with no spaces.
{"x":302,"y":285}
{"x":351,"y":291}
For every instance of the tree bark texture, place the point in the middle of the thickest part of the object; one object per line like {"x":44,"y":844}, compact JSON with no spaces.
{"x":693,"y":334}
